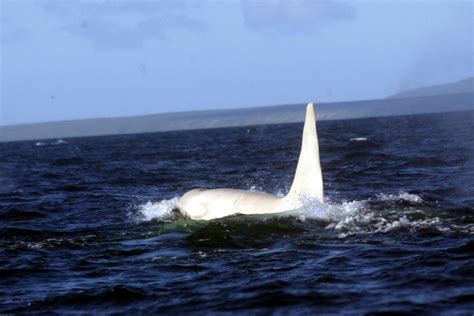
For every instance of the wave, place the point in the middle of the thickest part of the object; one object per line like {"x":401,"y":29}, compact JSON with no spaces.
{"x":382,"y":214}
{"x":69,"y":302}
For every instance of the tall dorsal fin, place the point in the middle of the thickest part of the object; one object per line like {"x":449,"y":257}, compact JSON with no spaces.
{"x":308,"y":181}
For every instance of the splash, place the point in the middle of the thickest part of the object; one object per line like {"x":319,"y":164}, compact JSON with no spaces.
{"x":345,"y":218}
{"x":162,"y":210}
{"x":404,"y":196}
{"x":331,"y":210}
{"x":253,"y":188}
{"x":357,"y":217}
{"x":374,"y":222}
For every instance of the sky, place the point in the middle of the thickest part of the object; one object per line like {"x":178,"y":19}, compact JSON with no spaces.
{"x":71,"y":59}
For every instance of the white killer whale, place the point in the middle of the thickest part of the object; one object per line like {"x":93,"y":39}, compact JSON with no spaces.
{"x":203,"y":204}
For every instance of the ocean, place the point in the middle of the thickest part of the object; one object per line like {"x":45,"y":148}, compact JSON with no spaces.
{"x":86,"y":224}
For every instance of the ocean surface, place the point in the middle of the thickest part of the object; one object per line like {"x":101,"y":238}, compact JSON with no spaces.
{"x":86,"y":224}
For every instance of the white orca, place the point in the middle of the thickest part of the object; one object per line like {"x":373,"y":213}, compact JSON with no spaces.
{"x":203,"y":204}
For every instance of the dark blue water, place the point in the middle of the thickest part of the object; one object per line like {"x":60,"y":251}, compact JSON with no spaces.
{"x":86,"y":224}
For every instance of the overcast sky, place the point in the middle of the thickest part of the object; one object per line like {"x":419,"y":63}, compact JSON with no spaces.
{"x":83,"y":59}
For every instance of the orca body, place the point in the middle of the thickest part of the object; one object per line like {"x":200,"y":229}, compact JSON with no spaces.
{"x":202,"y":204}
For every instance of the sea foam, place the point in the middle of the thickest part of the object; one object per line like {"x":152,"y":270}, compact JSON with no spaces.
{"x":162,"y":210}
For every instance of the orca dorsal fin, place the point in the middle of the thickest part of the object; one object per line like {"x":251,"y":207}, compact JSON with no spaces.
{"x":308,"y":181}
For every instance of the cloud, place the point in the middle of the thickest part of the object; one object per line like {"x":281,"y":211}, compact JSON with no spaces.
{"x":113,"y":7}
{"x":106,"y":33}
{"x":294,"y":16}
{"x":124,"y":24}
{"x":11,"y":30}
{"x":12,"y":35}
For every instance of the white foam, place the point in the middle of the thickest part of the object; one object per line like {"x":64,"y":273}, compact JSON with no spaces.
{"x":354,"y":220}
{"x":155,"y":210}
{"x":356,"y":216}
{"x":59,"y":142}
{"x":254,"y":188}
{"x":401,"y":196}
{"x":358,"y":139}
{"x":331,"y":211}
{"x":56,"y":142}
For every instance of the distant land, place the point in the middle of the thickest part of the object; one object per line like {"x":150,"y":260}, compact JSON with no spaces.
{"x":462,"y":86}
{"x":458,"y":96}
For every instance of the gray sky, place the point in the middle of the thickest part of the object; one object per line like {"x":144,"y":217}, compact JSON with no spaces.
{"x":83,"y":59}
